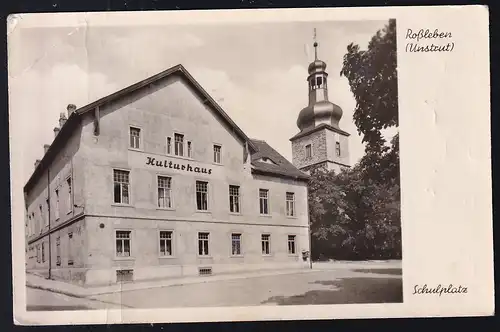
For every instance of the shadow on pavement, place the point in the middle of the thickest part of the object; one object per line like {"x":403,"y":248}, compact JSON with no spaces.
{"x":348,"y":290}
{"x":381,"y":271}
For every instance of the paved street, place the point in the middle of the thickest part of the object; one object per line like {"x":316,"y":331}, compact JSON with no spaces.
{"x":323,"y":287}
{"x":40,"y":300}
{"x":356,"y":284}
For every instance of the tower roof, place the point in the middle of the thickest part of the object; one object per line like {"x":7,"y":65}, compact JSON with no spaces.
{"x":320,"y":110}
{"x":316,"y":66}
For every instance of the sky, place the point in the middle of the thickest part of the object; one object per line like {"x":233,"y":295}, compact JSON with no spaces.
{"x":256,"y":72}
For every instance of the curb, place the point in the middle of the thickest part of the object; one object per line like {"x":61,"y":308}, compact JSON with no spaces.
{"x":206,"y":281}
{"x":78,"y":296}
{"x":54,"y":290}
{"x":180,"y":283}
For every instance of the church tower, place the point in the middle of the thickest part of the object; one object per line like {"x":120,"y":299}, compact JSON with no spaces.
{"x":320,"y":141}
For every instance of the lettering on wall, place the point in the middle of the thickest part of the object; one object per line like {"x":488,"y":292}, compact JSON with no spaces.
{"x":181,"y":167}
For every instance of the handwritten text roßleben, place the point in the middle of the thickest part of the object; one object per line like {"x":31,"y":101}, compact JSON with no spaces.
{"x":427,"y":40}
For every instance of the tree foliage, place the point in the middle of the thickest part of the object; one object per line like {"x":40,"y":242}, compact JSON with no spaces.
{"x":372,"y":76}
{"x":356,"y":214}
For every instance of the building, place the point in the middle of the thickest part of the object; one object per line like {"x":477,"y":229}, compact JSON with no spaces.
{"x":320,"y":142}
{"x":157,"y":181}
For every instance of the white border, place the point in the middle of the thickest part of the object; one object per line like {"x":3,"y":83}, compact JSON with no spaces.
{"x":446,"y":192}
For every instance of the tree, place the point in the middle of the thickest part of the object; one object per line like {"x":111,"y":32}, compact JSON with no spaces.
{"x":356,"y":214}
{"x":372,"y":76}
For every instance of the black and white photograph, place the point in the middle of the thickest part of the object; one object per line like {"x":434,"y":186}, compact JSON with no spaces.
{"x":198,"y":165}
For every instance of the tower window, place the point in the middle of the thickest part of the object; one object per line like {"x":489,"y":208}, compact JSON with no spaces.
{"x":319,"y":81}
{"x":308,"y":151}
{"x":337,"y":148}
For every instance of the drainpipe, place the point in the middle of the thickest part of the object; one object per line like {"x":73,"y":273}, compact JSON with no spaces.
{"x":48,"y":212}
{"x":309,"y":229}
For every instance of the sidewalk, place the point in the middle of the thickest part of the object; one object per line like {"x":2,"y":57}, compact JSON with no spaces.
{"x":56,"y":286}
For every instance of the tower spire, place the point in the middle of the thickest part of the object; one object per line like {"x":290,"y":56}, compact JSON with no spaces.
{"x":315,"y":46}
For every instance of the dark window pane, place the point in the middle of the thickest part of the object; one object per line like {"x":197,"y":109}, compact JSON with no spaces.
{"x":119,"y":248}
{"x":117,"y":193}
{"x":126,"y":245}
{"x":206,"y":247}
{"x":169,"y":247}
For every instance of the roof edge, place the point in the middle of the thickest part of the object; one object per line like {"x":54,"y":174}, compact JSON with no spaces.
{"x":65,"y":130}
{"x":150,"y":80}
{"x":304,"y":178}
{"x":319,"y":127}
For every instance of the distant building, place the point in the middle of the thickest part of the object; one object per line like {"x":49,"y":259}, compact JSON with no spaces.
{"x":157,"y":181}
{"x":320,"y":142}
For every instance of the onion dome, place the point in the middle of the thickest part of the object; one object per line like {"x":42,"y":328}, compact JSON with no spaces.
{"x":320,"y":109}
{"x":320,"y":112}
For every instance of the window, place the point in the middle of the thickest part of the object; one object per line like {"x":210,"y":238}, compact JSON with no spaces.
{"x":165,"y":243}
{"x":169,"y":145}
{"x":43,"y":252}
{"x":337,"y":148}
{"x":203,"y":244}
{"x":264,"y":201}
{"x":124,"y":275}
{"x":121,"y":186}
{"x":291,"y":245}
{"x":234,"y":199}
{"x":70,"y":248}
{"x":58,"y":251}
{"x":308,"y":151}
{"x":42,"y":217}
{"x":290,"y":204}
{"x":179,"y":144}
{"x":38,"y":253}
{"x":217,"y":154}
{"x":205,"y":271}
{"x":56,"y":210}
{"x":70,"y":199}
{"x":35,"y":223}
{"x":123,"y":243}
{"x":48,"y":211}
{"x":190,"y":149}
{"x":319,"y":81}
{"x":201,"y":195}
{"x":266,"y":244}
{"x":235,"y":244}
{"x":164,"y":192}
{"x":135,"y":138}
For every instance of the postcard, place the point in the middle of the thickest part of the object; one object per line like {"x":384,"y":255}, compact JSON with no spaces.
{"x":249,"y":165}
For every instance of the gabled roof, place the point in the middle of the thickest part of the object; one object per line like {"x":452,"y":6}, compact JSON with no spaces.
{"x":75,"y":117}
{"x":282,"y":166}
{"x":180,"y":70}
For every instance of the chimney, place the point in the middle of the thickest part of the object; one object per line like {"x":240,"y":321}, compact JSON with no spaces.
{"x":71,"y":108}
{"x":46,"y":148}
{"x":37,"y":162}
{"x":56,"y":131}
{"x":62,"y":120}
